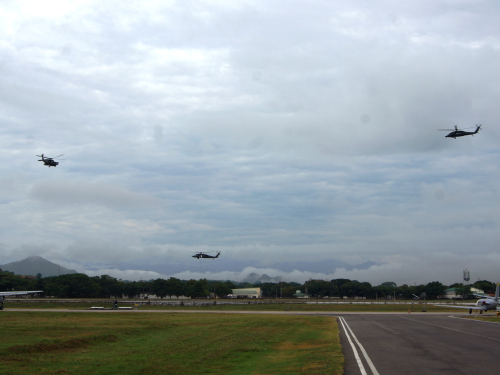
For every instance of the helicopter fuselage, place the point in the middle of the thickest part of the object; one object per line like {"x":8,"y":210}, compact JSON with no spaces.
{"x":203,"y":255}
{"x":50,"y":163}
{"x":459,"y":133}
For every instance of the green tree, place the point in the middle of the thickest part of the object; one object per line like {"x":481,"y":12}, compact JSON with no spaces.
{"x":39,"y":284}
{"x":389,"y":284}
{"x":220,"y":289}
{"x":486,"y":286}
{"x":160,"y":288}
{"x":289,"y":290}
{"x":176,"y":287}
{"x":408,"y":292}
{"x":10,"y":281}
{"x":434,"y":289}
{"x":230,"y":284}
{"x":197,"y":289}
{"x":131,"y":289}
{"x":268,"y":289}
{"x":76,"y":285}
{"x":463,"y":290}
{"x":339,"y":282}
{"x":320,"y":288}
{"x":109,"y":286}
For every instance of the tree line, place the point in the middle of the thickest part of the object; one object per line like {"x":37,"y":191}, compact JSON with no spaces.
{"x":82,"y":286}
{"x":79,"y":285}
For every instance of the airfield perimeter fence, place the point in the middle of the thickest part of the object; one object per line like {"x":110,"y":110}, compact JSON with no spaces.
{"x":210,"y":302}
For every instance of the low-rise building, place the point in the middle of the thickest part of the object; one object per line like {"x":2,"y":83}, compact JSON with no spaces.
{"x":299,"y":294}
{"x":247,"y":293}
{"x":451,"y":293}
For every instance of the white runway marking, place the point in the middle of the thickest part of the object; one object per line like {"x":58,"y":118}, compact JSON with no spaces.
{"x":473,"y":320}
{"x":360,"y":364}
{"x":365,"y":354}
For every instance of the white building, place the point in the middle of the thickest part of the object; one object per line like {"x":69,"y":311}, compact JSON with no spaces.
{"x":247,"y":293}
{"x":452,"y":293}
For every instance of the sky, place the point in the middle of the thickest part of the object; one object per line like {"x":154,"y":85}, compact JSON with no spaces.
{"x":303,"y":132}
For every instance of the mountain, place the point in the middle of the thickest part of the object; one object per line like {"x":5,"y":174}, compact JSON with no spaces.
{"x":254,"y":278}
{"x":33,"y":265}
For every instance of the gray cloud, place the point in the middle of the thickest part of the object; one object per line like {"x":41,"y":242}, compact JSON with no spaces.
{"x":82,"y":192}
{"x":271,"y":131}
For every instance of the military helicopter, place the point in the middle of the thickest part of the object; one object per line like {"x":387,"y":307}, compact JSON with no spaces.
{"x":49,"y":161}
{"x":204,"y":255}
{"x":460,"y":133}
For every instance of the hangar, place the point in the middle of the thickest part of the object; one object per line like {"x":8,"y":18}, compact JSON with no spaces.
{"x":247,"y":293}
{"x":453,"y":293}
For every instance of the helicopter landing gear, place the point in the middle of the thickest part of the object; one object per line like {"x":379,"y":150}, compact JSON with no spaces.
{"x":470,"y":311}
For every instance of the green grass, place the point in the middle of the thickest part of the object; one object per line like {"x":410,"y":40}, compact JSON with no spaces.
{"x":82,"y":343}
{"x":345,"y":307}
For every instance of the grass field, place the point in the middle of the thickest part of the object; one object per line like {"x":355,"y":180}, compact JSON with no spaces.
{"x":74,"y":343}
{"x":245,"y":307}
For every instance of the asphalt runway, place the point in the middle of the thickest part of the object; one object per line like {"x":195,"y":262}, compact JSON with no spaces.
{"x":417,"y":344}
{"x":394,"y":343}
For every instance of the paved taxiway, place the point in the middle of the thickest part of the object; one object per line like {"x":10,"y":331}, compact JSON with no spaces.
{"x":395,"y":343}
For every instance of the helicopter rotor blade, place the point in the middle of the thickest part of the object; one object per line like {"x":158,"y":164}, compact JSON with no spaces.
{"x":57,"y":156}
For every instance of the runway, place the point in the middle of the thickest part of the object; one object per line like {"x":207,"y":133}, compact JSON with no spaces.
{"x":392,"y":343}
{"x":418,"y":344}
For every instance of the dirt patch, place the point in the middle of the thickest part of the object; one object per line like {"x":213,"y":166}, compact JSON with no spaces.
{"x":61,"y":346}
{"x":298,"y":346}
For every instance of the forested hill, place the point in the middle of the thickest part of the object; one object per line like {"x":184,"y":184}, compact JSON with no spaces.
{"x":34,"y":265}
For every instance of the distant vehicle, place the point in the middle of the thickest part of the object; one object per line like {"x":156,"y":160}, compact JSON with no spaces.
{"x":3,"y":294}
{"x":49,"y":161}
{"x":416,"y":297}
{"x":483,"y":304}
{"x":460,"y":133}
{"x":205,"y":255}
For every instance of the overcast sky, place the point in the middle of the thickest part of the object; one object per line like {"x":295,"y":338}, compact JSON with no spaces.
{"x":281,"y":131}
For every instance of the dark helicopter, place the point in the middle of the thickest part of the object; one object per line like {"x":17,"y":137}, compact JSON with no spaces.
{"x":204,"y":255}
{"x":460,"y":133}
{"x":49,"y":161}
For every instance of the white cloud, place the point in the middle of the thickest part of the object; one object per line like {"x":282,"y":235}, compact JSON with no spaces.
{"x":272,"y":130}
